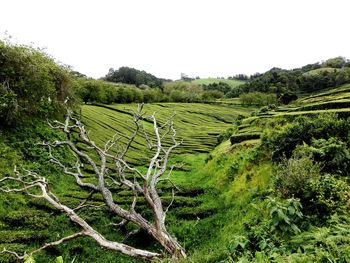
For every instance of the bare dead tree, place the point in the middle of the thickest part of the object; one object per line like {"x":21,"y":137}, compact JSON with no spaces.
{"x":121,"y":174}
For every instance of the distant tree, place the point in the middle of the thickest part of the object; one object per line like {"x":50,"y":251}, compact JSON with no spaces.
{"x":242,"y":77}
{"x":212,"y":95}
{"x":185,"y":77}
{"x":286,"y":98}
{"x":221,"y":86}
{"x":337,"y":62}
{"x":133,"y":76}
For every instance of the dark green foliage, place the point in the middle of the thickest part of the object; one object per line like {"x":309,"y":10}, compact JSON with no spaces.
{"x":257,"y":98}
{"x":243,"y":77}
{"x":212,"y":95}
{"x":313,"y":77}
{"x":220,"y":86}
{"x":282,"y":140}
{"x":98,"y":91}
{"x":325,"y":195}
{"x":133,"y":76}
{"x":320,"y":195}
{"x":286,"y":98}
{"x":332,"y":153}
{"x":285,"y":216}
{"x":244,"y":137}
{"x":31,"y":84}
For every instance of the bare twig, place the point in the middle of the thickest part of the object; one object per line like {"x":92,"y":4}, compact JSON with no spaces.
{"x":142,"y":185}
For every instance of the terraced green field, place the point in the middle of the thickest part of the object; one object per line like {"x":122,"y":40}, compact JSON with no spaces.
{"x":233,"y":83}
{"x":197,"y":125}
{"x":327,"y":101}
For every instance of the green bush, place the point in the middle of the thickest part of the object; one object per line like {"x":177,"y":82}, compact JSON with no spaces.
{"x":326,"y":195}
{"x":332,"y":153}
{"x":284,"y":137}
{"x":292,"y":175}
{"x":320,"y":195}
{"x":258,"y":98}
{"x":31,"y":84}
{"x":285,"y":215}
{"x":227,"y":134}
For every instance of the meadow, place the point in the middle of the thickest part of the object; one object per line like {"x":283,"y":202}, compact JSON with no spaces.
{"x":206,"y":81}
{"x":198,"y":125}
{"x":247,"y":184}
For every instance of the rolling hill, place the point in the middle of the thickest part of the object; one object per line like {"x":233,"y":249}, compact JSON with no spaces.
{"x":206,"y":81}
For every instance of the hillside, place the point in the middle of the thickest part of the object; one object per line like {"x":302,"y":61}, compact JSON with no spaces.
{"x":219,"y":212}
{"x":247,"y":184}
{"x":198,"y":125}
{"x":206,"y":81}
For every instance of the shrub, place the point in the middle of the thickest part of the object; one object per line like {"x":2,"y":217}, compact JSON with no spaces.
{"x":327,"y":194}
{"x":320,"y":195}
{"x":258,"y":98}
{"x":212,"y":95}
{"x":293,"y":174}
{"x":332,"y":153}
{"x":226,"y":135}
{"x":283,"y":139}
{"x":285,"y":215}
{"x":31,"y":84}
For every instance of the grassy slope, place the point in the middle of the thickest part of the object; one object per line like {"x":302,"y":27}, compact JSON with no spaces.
{"x":233,"y":83}
{"x":31,"y":222}
{"x":320,"y":71}
{"x":326,"y":101}
{"x":242,"y":179}
{"x":197,"y":125}
{"x":221,"y":194}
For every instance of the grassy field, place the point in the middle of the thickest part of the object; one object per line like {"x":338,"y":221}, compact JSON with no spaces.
{"x":233,"y":83}
{"x":198,"y":125}
{"x":216,"y":189}
{"x":320,"y":71}
{"x":327,"y":101}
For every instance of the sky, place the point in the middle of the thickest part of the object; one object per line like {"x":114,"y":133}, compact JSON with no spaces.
{"x":216,"y":38}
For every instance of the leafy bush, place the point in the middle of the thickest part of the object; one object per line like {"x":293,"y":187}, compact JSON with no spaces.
{"x":31,"y":84}
{"x":332,"y":153}
{"x":285,"y":215}
{"x":293,"y":174}
{"x":258,"y":98}
{"x":283,"y":139}
{"x":226,"y":135}
{"x":222,"y":87}
{"x":320,"y":195}
{"x":326,"y":195}
{"x":212,"y":95}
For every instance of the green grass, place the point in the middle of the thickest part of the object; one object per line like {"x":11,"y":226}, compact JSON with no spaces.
{"x":320,"y":71}
{"x":197,"y":124}
{"x":233,"y":83}
{"x":326,"y":101}
{"x":221,"y":189}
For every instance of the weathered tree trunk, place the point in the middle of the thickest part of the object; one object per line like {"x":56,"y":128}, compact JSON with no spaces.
{"x":143,"y":184}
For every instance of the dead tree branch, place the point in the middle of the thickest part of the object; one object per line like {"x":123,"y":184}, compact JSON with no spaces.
{"x":141,"y":185}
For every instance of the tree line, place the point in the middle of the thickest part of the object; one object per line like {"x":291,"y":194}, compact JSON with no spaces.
{"x":331,"y":73}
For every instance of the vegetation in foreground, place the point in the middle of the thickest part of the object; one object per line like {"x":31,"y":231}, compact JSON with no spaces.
{"x":276,"y":188}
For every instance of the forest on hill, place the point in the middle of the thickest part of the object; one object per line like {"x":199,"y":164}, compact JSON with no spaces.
{"x":132,"y":168}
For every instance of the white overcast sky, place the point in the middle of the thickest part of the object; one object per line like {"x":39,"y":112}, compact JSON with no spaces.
{"x":166,"y":37}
